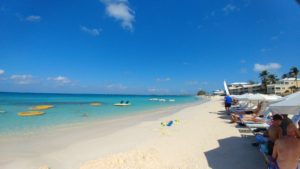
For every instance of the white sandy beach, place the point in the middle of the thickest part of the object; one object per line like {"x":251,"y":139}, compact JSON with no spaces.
{"x":203,"y":138}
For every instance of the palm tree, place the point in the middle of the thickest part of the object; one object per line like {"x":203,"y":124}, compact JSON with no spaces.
{"x":272,"y":78}
{"x":294,"y":73}
{"x":286,"y":75}
{"x":264,"y":79}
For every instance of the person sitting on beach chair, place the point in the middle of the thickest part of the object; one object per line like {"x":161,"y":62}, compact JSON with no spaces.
{"x":286,"y":151}
{"x":246,"y":114}
{"x":274,"y":132}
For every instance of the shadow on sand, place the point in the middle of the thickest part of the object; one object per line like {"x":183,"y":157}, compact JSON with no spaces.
{"x":235,"y":153}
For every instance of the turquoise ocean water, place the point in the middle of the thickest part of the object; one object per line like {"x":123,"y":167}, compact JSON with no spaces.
{"x":73,"y":108}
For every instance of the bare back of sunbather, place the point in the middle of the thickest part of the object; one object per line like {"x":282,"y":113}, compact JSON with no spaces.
{"x":287,"y":149}
{"x":274,"y":133}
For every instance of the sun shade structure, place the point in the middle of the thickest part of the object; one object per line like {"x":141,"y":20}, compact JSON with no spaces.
{"x":257,"y":97}
{"x":289,"y":105}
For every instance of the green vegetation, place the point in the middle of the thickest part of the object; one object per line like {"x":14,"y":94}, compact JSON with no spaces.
{"x":201,"y":93}
{"x":266,"y":79}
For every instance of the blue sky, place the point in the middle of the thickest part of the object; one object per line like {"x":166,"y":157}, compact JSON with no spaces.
{"x":143,"y":47}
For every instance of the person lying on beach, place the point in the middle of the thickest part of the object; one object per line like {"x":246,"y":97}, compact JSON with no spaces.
{"x":286,"y":151}
{"x":246,"y":115}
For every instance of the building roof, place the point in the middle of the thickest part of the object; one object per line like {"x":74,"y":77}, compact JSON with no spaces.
{"x":290,"y":79}
{"x":239,"y":83}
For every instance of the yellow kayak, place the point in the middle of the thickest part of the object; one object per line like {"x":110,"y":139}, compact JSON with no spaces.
{"x":31,"y":113}
{"x":95,"y":104}
{"x":42,"y":107}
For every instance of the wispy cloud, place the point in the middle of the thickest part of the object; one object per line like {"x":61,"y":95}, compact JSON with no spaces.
{"x":60,"y":80}
{"x":243,"y":70}
{"x":116,"y":87}
{"x":2,"y":71}
{"x":270,"y":66}
{"x":163,"y":79}
{"x":158,"y":90}
{"x":229,"y":8}
{"x":265,"y":49}
{"x":276,"y":37}
{"x":22,"y":79}
{"x":91,"y":31}
{"x":192,"y":82}
{"x":120,"y":10}
{"x":33,"y":18}
{"x":243,"y":61}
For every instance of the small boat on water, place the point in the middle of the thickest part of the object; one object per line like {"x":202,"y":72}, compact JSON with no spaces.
{"x":31,"y":113}
{"x":95,"y":104}
{"x":162,"y":100}
{"x":122,"y":103}
{"x":42,"y":107}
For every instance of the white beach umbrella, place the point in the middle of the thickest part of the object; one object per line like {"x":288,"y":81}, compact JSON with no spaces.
{"x":245,"y":96}
{"x":289,"y":105}
{"x":257,"y":97}
{"x":272,"y":98}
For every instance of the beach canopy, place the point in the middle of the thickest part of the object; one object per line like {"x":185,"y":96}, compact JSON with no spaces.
{"x":289,"y":105}
{"x":256,"y":97}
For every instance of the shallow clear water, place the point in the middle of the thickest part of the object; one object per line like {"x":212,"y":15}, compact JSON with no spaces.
{"x":73,"y":108}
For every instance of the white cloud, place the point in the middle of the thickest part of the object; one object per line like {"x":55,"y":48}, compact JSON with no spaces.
{"x":120,"y":10}
{"x":33,"y":18}
{"x":2,"y":71}
{"x":230,"y":8}
{"x":61,"y":80}
{"x":22,"y":79}
{"x":270,"y":66}
{"x":116,"y":87}
{"x":91,"y":31}
{"x":163,"y":79}
{"x":192,"y":82}
{"x":158,"y":91}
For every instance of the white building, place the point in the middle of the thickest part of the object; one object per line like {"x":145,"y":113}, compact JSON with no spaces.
{"x":238,"y":88}
{"x":283,"y":86}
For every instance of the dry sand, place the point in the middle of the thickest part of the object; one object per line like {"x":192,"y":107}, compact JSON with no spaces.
{"x":202,"y":139}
